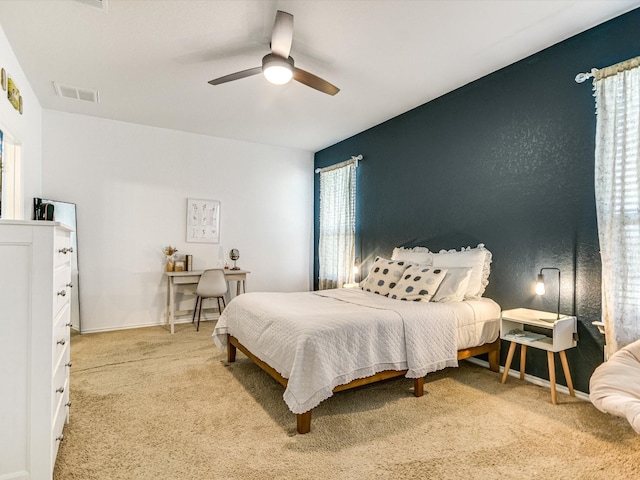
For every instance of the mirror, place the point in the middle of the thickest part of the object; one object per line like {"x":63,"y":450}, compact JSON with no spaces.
{"x":65,"y":213}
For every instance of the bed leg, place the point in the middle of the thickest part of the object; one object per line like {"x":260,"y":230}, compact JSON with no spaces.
{"x":494,"y":360}
{"x":304,"y":422}
{"x":231,"y":352}
{"x":418,"y":386}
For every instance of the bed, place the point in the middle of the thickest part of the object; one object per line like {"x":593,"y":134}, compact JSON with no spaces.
{"x":318,"y":343}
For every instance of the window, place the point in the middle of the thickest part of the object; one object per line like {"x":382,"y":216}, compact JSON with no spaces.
{"x":10,"y":179}
{"x":336,"y":249}
{"x":618,"y":199}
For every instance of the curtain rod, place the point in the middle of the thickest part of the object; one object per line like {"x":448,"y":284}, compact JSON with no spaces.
{"x":354,"y":158}
{"x":599,"y":74}
{"x":582,"y":77}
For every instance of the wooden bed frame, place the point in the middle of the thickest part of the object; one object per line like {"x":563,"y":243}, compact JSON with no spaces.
{"x":304,"y":419}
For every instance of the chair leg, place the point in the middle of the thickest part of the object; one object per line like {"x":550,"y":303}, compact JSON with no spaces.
{"x":219,"y":308}
{"x":199,"y":313}
{"x":224,"y":303}
{"x":193,"y":319}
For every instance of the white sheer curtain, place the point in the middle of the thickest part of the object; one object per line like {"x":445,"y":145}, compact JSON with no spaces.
{"x":617,"y":186}
{"x":336,"y":249}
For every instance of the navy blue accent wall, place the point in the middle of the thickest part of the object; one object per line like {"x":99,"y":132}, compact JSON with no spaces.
{"x":507,"y":161}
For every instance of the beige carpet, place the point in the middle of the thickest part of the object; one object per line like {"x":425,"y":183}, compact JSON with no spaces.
{"x":148,"y":405}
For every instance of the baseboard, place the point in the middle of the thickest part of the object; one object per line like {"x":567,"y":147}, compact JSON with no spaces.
{"x":143,"y":325}
{"x":535,"y":380}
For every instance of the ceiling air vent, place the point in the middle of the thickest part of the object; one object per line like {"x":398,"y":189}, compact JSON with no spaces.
{"x":99,"y":4}
{"x":76,"y":93}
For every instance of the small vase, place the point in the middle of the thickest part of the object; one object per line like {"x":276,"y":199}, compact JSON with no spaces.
{"x":170,"y":265}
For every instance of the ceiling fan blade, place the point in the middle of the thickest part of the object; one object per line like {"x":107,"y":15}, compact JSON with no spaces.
{"x":311,"y":80}
{"x":236,"y":76}
{"x":282,"y":34}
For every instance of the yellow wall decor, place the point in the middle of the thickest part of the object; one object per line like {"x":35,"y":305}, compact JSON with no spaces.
{"x":13,"y":94}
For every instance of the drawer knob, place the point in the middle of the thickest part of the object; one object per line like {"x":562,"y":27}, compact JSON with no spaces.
{"x":62,"y":293}
{"x":68,"y":404}
{"x":60,"y":437}
{"x":60,"y":389}
{"x":70,"y":285}
{"x":68,"y":324}
{"x":68,"y":364}
{"x":65,"y":250}
{"x":62,"y":341}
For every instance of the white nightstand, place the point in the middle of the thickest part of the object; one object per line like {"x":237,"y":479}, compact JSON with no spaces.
{"x":537,"y":329}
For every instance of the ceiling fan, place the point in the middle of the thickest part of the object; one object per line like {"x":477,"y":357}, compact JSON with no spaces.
{"x":278,"y":67}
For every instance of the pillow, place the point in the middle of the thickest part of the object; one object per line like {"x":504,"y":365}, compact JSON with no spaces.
{"x":479,"y":259}
{"x":453,"y":286}
{"x":384,"y":275}
{"x":418,"y":283}
{"x":414,"y":256}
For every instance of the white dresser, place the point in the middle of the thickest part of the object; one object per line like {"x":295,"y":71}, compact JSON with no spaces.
{"x":35,"y":283}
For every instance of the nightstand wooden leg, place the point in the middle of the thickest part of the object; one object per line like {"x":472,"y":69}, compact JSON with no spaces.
{"x":507,"y":365}
{"x":567,"y":373}
{"x":523,"y":359}
{"x":552,"y":377}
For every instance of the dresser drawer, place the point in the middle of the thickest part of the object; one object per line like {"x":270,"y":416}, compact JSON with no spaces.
{"x":61,"y":326}
{"x":62,"y":288}
{"x":59,"y":382}
{"x":59,"y":419}
{"x":62,"y":248}
{"x":61,"y":357}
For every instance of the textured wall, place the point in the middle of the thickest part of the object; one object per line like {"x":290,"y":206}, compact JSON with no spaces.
{"x":506,"y":161}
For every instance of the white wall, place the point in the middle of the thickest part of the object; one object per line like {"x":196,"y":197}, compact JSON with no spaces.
{"x":131,"y":184}
{"x":24,"y":129}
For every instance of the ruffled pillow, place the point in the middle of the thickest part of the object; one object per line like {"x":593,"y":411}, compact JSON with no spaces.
{"x":414,"y":256}
{"x":384,"y":275}
{"x":418,"y":283}
{"x":479,"y":259}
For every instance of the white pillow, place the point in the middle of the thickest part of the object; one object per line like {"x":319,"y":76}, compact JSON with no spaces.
{"x":418,"y":284}
{"x":454,"y":285}
{"x":415,"y":255}
{"x":384,"y":275}
{"x":479,"y":259}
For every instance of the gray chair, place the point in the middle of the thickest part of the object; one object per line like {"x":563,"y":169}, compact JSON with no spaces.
{"x":212,"y":284}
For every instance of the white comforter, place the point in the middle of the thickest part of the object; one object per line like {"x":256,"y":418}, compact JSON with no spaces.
{"x":319,"y":340}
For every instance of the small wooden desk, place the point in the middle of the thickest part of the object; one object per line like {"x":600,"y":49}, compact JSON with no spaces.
{"x":558,"y":336}
{"x":189,"y":278}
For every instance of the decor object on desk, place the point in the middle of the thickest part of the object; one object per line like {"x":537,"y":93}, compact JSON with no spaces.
{"x":234,"y":255}
{"x":540,"y":290}
{"x":203,"y":220}
{"x":170,"y":252}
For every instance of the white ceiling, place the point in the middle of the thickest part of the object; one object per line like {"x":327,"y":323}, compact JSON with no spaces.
{"x":151,"y":59}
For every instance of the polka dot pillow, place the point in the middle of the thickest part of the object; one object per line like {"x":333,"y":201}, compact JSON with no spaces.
{"x":384,"y":275}
{"x":418,"y":283}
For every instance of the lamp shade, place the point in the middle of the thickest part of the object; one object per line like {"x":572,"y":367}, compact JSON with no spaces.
{"x":540,"y":290}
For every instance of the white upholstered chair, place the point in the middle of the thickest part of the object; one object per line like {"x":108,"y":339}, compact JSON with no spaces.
{"x":615,"y":385}
{"x":212,"y":284}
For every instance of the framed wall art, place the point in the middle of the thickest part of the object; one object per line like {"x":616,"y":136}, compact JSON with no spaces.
{"x":203,"y":220}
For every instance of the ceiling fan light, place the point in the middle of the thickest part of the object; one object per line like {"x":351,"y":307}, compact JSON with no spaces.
{"x":277,"y":70}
